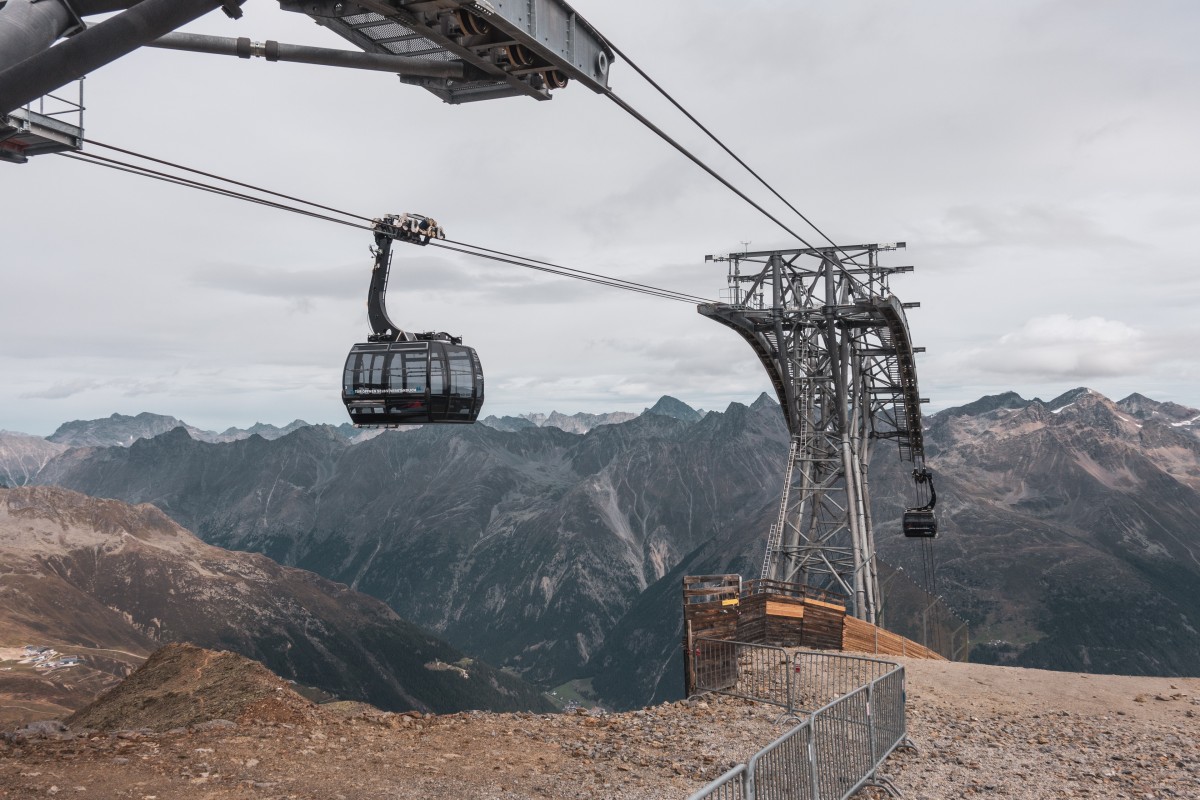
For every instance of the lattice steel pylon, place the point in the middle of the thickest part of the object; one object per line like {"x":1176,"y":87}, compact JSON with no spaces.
{"x":836,"y":345}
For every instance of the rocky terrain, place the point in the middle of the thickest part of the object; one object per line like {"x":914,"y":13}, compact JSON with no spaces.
{"x":22,"y":456}
{"x":575,"y":423}
{"x":1072,"y":534}
{"x":582,"y":422}
{"x":109,"y":583}
{"x":197,"y":724}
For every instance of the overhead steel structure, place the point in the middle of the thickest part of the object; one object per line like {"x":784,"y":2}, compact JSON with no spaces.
{"x":835,"y":342}
{"x":461,"y":50}
{"x":512,"y":47}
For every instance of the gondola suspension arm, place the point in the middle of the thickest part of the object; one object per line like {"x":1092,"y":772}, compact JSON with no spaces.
{"x":411,"y":228}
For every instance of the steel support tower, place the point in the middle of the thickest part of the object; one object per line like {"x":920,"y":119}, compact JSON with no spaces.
{"x":835,"y":342}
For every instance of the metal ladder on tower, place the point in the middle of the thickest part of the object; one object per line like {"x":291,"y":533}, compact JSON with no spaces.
{"x":798,"y":437}
{"x":776,"y":534}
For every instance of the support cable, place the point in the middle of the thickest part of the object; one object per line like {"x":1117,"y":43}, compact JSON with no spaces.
{"x":146,"y":172}
{"x":463,"y":247}
{"x":633,"y":112}
{"x":226,"y":180}
{"x":589,"y":277}
{"x":724,"y":147}
{"x":674,"y":294}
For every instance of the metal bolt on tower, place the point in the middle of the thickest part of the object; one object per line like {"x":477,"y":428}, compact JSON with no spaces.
{"x":836,"y":344}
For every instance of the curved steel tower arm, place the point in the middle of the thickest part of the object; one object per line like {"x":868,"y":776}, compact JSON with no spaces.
{"x":28,"y":27}
{"x":52,"y":67}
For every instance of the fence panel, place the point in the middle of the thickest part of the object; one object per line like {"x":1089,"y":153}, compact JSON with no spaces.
{"x":887,"y":712}
{"x":753,"y":671}
{"x":730,"y":786}
{"x":819,"y":678}
{"x":842,"y":743}
{"x":834,"y":752}
{"x":910,"y":611}
{"x":784,"y":769}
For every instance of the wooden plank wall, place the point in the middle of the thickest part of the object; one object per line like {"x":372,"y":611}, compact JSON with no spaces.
{"x":710,"y":605}
{"x":823,"y":624}
{"x":863,"y":637}
{"x":782,"y":614}
{"x":773,"y":619}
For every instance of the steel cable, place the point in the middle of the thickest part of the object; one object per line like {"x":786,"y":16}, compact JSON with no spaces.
{"x":463,"y":247}
{"x":679,"y":106}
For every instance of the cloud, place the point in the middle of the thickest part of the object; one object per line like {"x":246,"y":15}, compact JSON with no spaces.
{"x":1026,"y":225}
{"x":63,"y":390}
{"x":337,"y":283}
{"x":1060,"y":346}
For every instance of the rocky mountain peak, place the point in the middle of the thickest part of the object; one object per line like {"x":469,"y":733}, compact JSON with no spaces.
{"x":117,"y":429}
{"x":987,"y":404}
{"x":764,"y":400}
{"x":1142,"y":407}
{"x":22,"y":456}
{"x":668,"y":406}
{"x":1077,"y":395}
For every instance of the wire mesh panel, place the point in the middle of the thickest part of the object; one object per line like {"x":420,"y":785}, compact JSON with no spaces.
{"x":887,"y":712}
{"x":752,"y":671}
{"x":819,"y":678}
{"x":785,"y":769}
{"x":911,"y":611}
{"x":843,"y":745}
{"x":833,"y":753}
{"x":730,"y":786}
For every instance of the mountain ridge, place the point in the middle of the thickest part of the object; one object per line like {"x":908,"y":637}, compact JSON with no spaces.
{"x":97,"y":573}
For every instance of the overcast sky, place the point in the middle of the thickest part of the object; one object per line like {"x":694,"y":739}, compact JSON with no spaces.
{"x":1040,"y":157}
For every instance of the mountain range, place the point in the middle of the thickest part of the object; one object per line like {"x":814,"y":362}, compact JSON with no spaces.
{"x":1069,"y":526}
{"x":582,"y":422}
{"x":102,"y":577}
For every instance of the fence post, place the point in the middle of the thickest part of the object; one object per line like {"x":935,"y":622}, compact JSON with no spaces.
{"x":812,"y":758}
{"x":871,"y":720}
{"x":689,"y":663}
{"x":786,"y":666}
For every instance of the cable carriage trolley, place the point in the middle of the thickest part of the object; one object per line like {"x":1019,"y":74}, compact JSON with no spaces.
{"x":401,"y":378}
{"x":919,"y":522}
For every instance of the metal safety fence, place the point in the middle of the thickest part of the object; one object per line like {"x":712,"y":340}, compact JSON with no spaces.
{"x":838,"y":748}
{"x":819,"y":678}
{"x":740,"y":669}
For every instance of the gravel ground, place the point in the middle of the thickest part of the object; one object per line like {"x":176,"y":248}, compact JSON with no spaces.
{"x":979,"y":731}
{"x":1000,"y":731}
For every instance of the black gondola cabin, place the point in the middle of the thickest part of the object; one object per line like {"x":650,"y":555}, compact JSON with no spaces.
{"x":920,"y":523}
{"x":406,"y":383}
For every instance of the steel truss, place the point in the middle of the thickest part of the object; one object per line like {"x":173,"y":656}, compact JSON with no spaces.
{"x":835,"y":342}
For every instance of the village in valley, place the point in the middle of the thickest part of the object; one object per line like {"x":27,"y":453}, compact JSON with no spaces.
{"x":45,"y":659}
